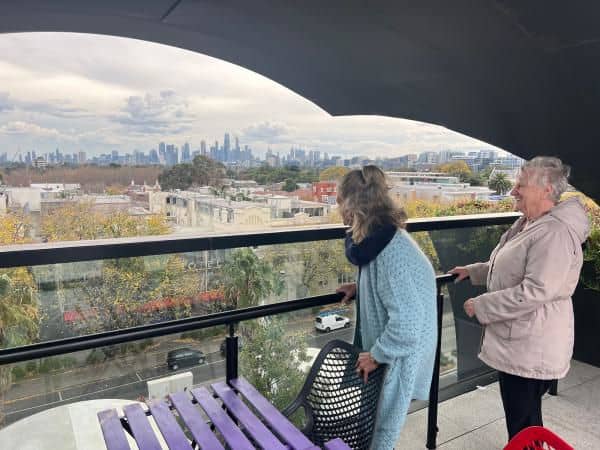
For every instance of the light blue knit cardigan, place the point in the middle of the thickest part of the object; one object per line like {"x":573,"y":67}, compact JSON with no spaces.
{"x":397,"y":323}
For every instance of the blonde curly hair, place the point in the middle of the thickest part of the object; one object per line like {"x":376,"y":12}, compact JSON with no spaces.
{"x":365,"y":203}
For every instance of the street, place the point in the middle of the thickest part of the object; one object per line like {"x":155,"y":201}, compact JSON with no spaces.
{"x":126,"y":377}
{"x":117,"y":381}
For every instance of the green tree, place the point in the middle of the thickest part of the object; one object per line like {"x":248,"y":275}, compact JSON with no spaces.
{"x":202,"y":171}
{"x":500,"y":183}
{"x":271,"y":360}
{"x":289,"y":185}
{"x":246,"y":280}
{"x":268,"y":175}
{"x":271,"y":357}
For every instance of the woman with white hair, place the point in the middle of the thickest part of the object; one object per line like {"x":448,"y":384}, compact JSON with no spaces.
{"x":530,"y":276}
{"x":396,"y":299}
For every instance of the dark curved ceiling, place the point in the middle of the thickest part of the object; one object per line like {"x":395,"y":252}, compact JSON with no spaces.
{"x":522,"y":75}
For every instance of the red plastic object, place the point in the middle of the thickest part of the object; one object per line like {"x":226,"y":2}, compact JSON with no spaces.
{"x":537,"y":438}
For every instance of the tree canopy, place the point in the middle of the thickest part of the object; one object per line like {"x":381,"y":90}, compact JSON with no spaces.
{"x":202,"y":171}
{"x":500,"y":183}
{"x":458,"y":169}
{"x":266,"y":174}
{"x":333,"y":173}
{"x":80,"y":220}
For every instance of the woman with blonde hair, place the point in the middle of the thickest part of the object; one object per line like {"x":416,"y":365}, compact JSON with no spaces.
{"x":396,"y":298}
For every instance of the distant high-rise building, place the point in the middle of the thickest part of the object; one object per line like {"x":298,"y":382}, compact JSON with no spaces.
{"x":171,"y":155}
{"x":203,"y":148}
{"x":185,"y":152}
{"x":153,"y":157}
{"x":82,"y":157}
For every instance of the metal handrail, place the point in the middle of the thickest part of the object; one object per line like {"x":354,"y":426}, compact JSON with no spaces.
{"x":91,"y":250}
{"x":121,"y":336}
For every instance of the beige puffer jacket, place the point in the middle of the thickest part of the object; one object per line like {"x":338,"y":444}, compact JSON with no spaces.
{"x":530,"y":277}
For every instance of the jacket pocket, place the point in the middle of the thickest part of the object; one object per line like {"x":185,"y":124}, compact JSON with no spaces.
{"x":500,"y":329}
{"x":524,"y":327}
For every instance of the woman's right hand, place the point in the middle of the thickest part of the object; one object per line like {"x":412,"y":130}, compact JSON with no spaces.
{"x":461,"y":271}
{"x":349,"y":291}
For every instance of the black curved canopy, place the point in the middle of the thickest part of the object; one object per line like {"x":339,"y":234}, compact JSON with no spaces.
{"x":522,"y":75}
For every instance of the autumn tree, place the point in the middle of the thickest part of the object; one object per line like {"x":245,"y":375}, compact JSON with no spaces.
{"x":80,"y":220}
{"x":14,"y":228}
{"x":458,"y":169}
{"x":19,"y":305}
{"x":335,"y":173}
{"x":123,"y":295}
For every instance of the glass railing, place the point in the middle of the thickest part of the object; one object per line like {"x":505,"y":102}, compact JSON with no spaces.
{"x":105,"y":314}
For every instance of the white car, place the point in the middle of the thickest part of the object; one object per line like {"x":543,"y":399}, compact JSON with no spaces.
{"x":331,"y":322}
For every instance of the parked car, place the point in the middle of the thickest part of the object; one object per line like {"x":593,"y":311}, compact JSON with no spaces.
{"x":223,"y":345}
{"x":331,"y":322}
{"x":184,"y":357}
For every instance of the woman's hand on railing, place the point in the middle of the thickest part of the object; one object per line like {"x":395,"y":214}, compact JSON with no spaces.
{"x":461,"y":273}
{"x":349,"y":291}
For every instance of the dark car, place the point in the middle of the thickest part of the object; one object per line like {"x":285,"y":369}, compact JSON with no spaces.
{"x":223,"y":346}
{"x":184,"y":357}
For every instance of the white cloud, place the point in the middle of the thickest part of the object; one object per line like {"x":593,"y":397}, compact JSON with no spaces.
{"x":31,"y":129}
{"x":100,"y":93}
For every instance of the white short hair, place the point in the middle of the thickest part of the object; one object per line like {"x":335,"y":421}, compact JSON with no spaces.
{"x":548,"y":170}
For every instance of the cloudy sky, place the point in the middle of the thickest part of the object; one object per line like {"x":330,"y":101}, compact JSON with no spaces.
{"x":98,"y":93}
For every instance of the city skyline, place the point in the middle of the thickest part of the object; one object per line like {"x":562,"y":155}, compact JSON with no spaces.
{"x":97,"y":94}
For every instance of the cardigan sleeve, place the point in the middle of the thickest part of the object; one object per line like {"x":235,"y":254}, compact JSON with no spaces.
{"x":405,"y":311}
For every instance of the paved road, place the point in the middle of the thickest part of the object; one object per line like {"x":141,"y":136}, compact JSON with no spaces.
{"x":119,"y":382}
{"x":115,"y":379}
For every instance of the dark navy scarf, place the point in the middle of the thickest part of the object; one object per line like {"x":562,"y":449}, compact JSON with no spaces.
{"x":367,"y":250}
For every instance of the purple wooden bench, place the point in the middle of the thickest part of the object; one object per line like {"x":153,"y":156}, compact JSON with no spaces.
{"x":232,"y":421}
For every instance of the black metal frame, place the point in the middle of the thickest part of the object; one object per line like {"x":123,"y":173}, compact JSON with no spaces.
{"x":65,"y":252}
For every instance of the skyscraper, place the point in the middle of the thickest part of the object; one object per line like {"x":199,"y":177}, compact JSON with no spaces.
{"x":185,"y":152}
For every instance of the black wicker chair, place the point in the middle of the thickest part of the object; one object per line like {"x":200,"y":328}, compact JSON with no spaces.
{"x":336,"y":401}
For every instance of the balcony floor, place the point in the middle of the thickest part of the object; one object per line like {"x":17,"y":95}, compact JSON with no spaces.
{"x":476,"y":420}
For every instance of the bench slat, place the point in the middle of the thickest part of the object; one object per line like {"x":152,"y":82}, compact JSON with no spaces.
{"x":112,"y":430}
{"x":336,"y":444}
{"x":278,"y":422}
{"x":194,"y":421}
{"x":140,"y":427}
{"x":232,"y":434}
{"x":169,"y":427}
{"x":259,"y":432}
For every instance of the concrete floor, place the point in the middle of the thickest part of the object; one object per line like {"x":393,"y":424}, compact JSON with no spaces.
{"x":476,"y":420}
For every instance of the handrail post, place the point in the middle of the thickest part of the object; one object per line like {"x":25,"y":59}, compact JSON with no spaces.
{"x":432,"y":410}
{"x":231,"y":354}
